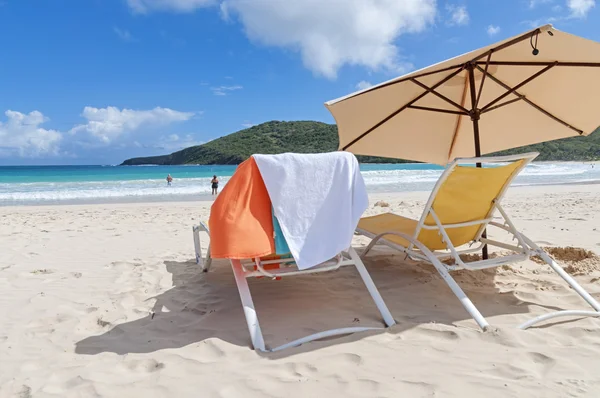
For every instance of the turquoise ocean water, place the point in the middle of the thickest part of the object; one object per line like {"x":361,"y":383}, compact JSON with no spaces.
{"x":98,"y":184}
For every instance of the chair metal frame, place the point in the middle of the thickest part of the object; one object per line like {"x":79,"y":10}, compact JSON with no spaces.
{"x":248,"y":268}
{"x":523,"y":249}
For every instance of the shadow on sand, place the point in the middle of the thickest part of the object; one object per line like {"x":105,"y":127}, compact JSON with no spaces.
{"x":201,"y":306}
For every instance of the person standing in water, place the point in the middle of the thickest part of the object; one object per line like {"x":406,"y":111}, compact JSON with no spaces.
{"x":169,"y":179}
{"x":215,"y":185}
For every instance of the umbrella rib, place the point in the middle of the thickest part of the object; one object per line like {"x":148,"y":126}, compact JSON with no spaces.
{"x":539,"y":108}
{"x":519,"y":39}
{"x":384,"y":85}
{"x":426,"y":108}
{"x":544,"y":63}
{"x":403,"y":107}
{"x":459,"y":66}
{"x":487,"y":64}
{"x":519,"y":98}
{"x":512,"y":42}
{"x":459,"y":118}
{"x":432,"y":91}
{"x":518,"y":86}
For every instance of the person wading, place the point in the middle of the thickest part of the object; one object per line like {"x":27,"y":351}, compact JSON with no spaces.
{"x":215,"y":185}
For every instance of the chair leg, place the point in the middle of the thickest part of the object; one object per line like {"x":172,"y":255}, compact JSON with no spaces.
{"x":208,"y":259}
{"x":204,"y":263}
{"x":364,"y":274}
{"x":371,"y":245}
{"x":443,"y":271}
{"x":570,"y":281}
{"x":197,"y":246}
{"x":465,"y":301}
{"x":563,"y":274}
{"x":258,"y":342}
{"x":368,"y":248}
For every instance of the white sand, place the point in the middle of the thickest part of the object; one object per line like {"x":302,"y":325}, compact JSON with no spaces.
{"x":78,"y":285}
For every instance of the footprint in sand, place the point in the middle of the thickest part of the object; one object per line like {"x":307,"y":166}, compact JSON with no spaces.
{"x":528,"y":366}
{"x":364,"y":387}
{"x":144,"y":365}
{"x":210,"y":351}
{"x":126,"y":264}
{"x":508,"y":371}
{"x":416,"y":389}
{"x":447,"y":335}
{"x":301,"y":369}
{"x":354,"y":359}
{"x":543,"y":362}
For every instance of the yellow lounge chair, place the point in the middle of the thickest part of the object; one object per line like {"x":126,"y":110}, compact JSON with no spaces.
{"x":460,"y":208}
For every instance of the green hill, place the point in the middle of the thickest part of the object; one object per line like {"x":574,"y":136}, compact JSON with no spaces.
{"x":312,"y":137}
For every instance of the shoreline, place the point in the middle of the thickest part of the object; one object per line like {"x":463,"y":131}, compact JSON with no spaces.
{"x":163,"y":199}
{"x":378,"y":195}
{"x":99,"y":186}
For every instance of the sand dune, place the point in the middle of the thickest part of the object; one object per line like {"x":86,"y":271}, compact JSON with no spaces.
{"x":106,"y":301}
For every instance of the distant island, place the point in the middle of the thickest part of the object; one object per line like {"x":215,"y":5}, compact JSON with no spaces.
{"x":313,"y":137}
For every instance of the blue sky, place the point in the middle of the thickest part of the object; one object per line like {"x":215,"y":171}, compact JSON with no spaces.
{"x":98,"y":81}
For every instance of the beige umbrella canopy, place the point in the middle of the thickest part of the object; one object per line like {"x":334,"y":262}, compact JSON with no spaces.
{"x":535,"y":87}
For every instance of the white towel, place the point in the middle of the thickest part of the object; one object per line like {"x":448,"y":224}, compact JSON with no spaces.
{"x":318,"y":200}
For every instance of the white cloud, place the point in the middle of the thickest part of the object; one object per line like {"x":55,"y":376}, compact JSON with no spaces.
{"x":247,"y":125}
{"x":330,"y":34}
{"x":327,"y":34}
{"x":493,"y":30}
{"x":580,"y":8}
{"x":458,"y":14}
{"x":536,"y":23}
{"x":223,"y":90}
{"x":110,"y":122}
{"x":577,"y":9}
{"x":145,"y":6}
{"x":124,"y":35}
{"x":363,"y":85}
{"x":22,"y":134}
{"x":535,"y":3}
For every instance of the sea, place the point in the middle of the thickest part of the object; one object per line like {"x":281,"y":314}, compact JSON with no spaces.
{"x":35,"y":185}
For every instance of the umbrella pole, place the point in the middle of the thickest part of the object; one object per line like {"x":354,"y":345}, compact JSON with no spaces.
{"x":475,"y":115}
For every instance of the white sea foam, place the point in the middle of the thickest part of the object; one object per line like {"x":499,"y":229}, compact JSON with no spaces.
{"x":382,"y":180}
{"x":97,"y":190}
{"x":556,"y":169}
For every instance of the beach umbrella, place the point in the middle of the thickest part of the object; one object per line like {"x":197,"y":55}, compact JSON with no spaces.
{"x":538,"y":86}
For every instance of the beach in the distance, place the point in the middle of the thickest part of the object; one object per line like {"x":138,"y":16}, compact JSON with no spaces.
{"x":106,"y":300}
